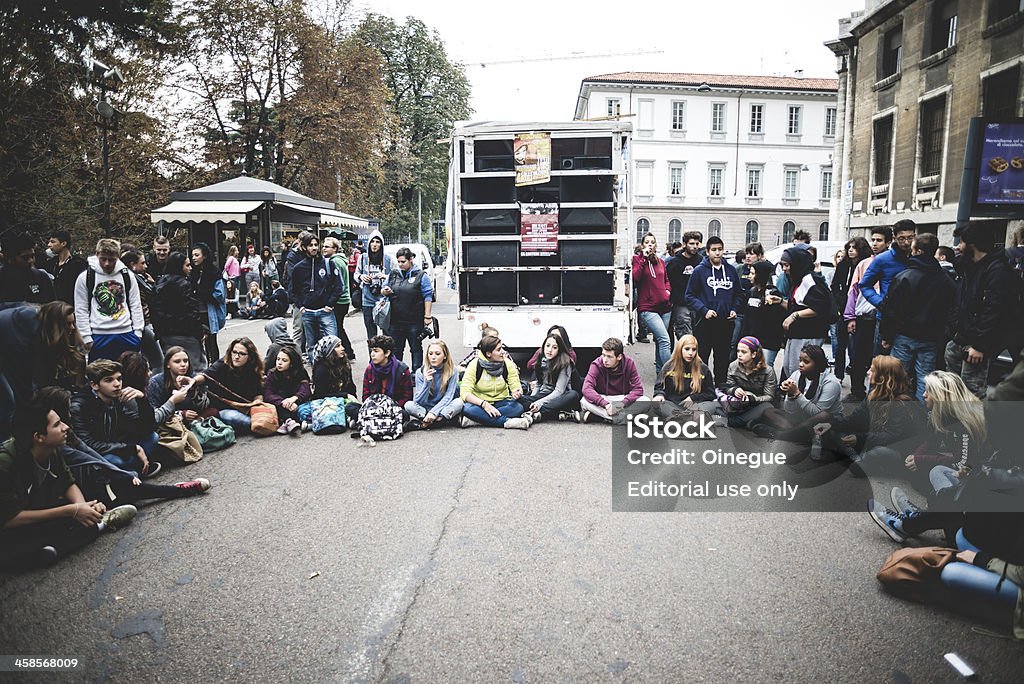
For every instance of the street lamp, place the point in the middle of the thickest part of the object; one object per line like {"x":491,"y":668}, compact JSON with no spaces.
{"x":108,"y":119}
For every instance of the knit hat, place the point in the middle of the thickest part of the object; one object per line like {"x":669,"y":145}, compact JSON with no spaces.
{"x":752,"y":343}
{"x":324,"y":347}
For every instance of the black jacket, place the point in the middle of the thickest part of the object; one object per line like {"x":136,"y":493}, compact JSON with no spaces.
{"x":679,"y":269}
{"x":984,"y":305}
{"x":919,"y":301}
{"x":175,"y":310}
{"x":841,"y":281}
{"x":315,"y":283}
{"x":113,"y":429}
{"x":25,"y":285}
{"x":64,"y":277}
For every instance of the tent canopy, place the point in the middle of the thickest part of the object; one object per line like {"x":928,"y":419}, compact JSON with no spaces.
{"x":209,"y":212}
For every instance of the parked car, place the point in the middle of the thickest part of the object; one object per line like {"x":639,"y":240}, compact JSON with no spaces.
{"x":826,"y":250}
{"x":423,"y":258}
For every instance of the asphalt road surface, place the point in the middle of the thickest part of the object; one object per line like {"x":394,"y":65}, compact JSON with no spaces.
{"x":473,"y":555}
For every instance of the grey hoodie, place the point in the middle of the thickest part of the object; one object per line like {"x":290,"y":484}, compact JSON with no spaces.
{"x":277,"y":332}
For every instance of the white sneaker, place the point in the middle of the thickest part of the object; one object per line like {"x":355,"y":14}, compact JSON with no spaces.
{"x":366,"y":441}
{"x":228,"y":317}
{"x":517,"y":424}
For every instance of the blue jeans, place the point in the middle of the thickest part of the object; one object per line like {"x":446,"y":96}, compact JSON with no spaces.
{"x":658,"y":324}
{"x":509,"y":408}
{"x":917,"y":358}
{"x":769,"y":356}
{"x":237,"y":420}
{"x":316,"y":325}
{"x":133,"y":463}
{"x":402,"y":333}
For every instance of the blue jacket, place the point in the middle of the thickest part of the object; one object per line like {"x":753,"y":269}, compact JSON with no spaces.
{"x":882,"y":269}
{"x":714,"y":287}
{"x":315,"y":283}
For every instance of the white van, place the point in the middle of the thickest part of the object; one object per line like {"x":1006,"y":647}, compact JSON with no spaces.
{"x":423,"y":259}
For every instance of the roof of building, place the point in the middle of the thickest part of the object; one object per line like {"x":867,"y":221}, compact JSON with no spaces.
{"x":717,"y":80}
{"x":246,"y":188}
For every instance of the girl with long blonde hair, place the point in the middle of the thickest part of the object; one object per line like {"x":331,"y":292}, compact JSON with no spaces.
{"x":685,"y":380}
{"x":435,"y":397}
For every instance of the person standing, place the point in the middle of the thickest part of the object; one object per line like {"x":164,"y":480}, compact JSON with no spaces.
{"x":108,"y":306}
{"x":332,"y":250}
{"x":63,"y":266}
{"x":136,"y":263}
{"x":916,"y":309}
{"x":209,"y":289}
{"x":882,"y":269}
{"x":268,"y":269}
{"x":314,"y":289}
{"x":179,"y":318}
{"x":232,"y":269}
{"x":20,"y":280}
{"x":412,"y":297}
{"x":156,"y":261}
{"x":250,"y":268}
{"x":854,"y":252}
{"x":654,"y":302}
{"x":679,"y":269}
{"x":810,"y":305}
{"x":293,"y":256}
{"x":983,"y":308}
{"x":372,"y":273}
{"x":860,"y":317}
{"x":713,"y":296}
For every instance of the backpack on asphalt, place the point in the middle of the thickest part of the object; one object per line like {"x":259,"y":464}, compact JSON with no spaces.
{"x":380,"y":418}
{"x":328,"y":415}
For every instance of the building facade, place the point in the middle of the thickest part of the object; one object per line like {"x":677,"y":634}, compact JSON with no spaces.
{"x":912,"y":74}
{"x":747,"y":158}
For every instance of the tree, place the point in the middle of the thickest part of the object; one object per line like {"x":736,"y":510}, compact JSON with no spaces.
{"x":428,"y":94}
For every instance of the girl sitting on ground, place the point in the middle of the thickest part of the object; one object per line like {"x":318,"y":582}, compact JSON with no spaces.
{"x":685,"y":382}
{"x":286,"y":386}
{"x":435,"y":397}
{"x":750,"y":385}
{"x":235,"y":383}
{"x":883,"y":428}
{"x":491,"y":389}
{"x":332,"y":377}
{"x":561,"y":332}
{"x":163,"y":390}
{"x":811,"y":395}
{"x":551,"y":394}
{"x":255,"y":305}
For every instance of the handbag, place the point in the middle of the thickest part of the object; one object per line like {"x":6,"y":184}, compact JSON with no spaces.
{"x":178,"y":440}
{"x":328,"y":415}
{"x":263,"y":419}
{"x":262,"y":416}
{"x":213,"y":434}
{"x":382,"y":313}
{"x":913,"y":573}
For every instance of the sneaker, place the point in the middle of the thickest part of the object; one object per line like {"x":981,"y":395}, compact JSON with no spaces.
{"x":465,"y":422}
{"x":573,"y":416}
{"x":306,"y":426}
{"x":154,"y":470}
{"x":282,"y":429}
{"x":197,"y":486}
{"x":901,"y":502}
{"x":119,"y":517}
{"x":520,"y":423}
{"x":890,"y":521}
{"x":586,"y":417}
{"x":292,"y":426}
{"x":227,"y":317}
{"x":412,"y":424}
{"x":643,"y":340}
{"x":763,"y":430}
{"x":366,"y":441}
{"x":530,"y":417}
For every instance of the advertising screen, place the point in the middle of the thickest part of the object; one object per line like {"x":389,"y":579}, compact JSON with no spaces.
{"x":1001,"y":166}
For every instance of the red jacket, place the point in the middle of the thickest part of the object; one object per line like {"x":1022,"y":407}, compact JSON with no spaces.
{"x":654,"y":292}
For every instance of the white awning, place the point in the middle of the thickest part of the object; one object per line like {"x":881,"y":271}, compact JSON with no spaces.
{"x":210,"y":212}
{"x":329,"y":217}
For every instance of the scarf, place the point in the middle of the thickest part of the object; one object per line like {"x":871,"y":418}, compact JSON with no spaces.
{"x":493,"y":368}
{"x":388,"y":373}
{"x":543,"y":368}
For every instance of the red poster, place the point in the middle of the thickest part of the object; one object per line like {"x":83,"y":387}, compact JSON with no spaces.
{"x":539,"y":229}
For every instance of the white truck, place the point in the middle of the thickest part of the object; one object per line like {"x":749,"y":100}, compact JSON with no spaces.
{"x":534,"y":242}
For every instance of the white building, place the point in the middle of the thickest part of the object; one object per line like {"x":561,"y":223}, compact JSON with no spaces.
{"x":748,"y":158}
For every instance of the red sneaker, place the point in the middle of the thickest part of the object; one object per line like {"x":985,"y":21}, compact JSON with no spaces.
{"x":197,"y":486}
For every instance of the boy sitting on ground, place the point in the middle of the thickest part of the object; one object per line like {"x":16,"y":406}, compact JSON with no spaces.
{"x":612,"y":384}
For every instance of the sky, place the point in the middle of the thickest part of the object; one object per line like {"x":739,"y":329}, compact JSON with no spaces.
{"x":749,"y":37}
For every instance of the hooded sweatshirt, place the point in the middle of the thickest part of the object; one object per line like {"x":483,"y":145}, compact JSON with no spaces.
{"x":654,"y":291}
{"x":111,"y":312}
{"x":315,"y":283}
{"x":601,"y":381}
{"x":715,"y":288}
{"x":364,"y":267}
{"x":277,"y":333}
{"x":807,"y":291}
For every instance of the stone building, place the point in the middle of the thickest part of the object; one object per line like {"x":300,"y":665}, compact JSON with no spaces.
{"x":911,"y":75}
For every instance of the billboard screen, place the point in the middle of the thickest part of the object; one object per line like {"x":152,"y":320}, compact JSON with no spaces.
{"x":1001,"y":165}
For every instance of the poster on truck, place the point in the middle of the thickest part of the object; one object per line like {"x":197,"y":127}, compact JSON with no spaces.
{"x":539,"y":229}
{"x":1001,"y":176}
{"x":532,"y":152}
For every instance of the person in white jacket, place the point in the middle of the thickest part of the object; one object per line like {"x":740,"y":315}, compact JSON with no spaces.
{"x":108,"y":307}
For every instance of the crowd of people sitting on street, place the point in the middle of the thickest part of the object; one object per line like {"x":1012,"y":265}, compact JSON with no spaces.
{"x":111,"y":374}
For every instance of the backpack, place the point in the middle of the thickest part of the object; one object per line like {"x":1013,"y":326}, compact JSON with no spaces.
{"x":328,"y":415}
{"x":90,"y":285}
{"x":380,"y":417}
